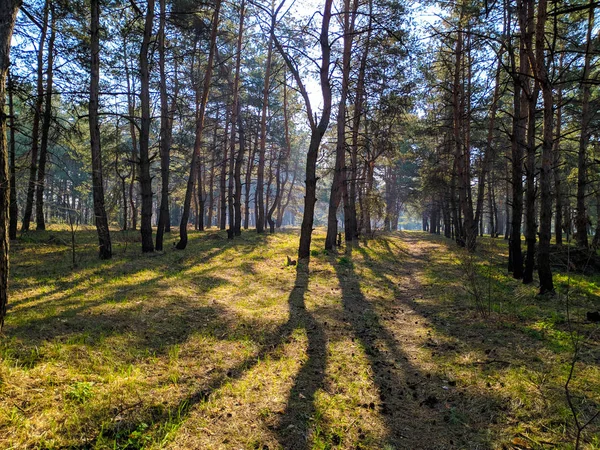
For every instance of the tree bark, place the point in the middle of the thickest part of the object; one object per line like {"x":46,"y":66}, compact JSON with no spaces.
{"x":339,"y":187}
{"x":8,"y":14}
{"x":183,"y":237}
{"x":47,"y":120}
{"x":35,"y":131}
{"x":531,"y":94}
{"x":581,"y":220}
{"x":105,"y":247}
{"x":517,"y":144}
{"x":237,"y":120}
{"x":166,"y":130}
{"x":134,"y":144}
{"x":558,"y":189}
{"x":145,"y":178}
{"x":260,"y":201}
{"x":14,"y":208}
{"x":543,"y":255}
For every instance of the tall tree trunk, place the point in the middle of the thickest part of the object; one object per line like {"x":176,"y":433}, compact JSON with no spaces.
{"x":183,"y":238}
{"x":47,"y":120}
{"x":134,"y":143}
{"x":247,"y":186}
{"x":354,"y":191}
{"x":35,"y":131}
{"x":490,"y":152}
{"x":260,"y":201}
{"x":543,"y":255}
{"x":339,"y":187}
{"x":230,"y":181}
{"x":581,"y":220}
{"x":517,"y":144}
{"x":288,"y":151}
{"x":318,"y":129}
{"x":105,"y":247}
{"x":468,"y":235}
{"x":8,"y":14}
{"x":166,"y":129}
{"x":277,"y":195}
{"x":558,"y":189}
{"x":531,"y":91}
{"x":145,"y":178}
{"x":223,"y":177}
{"x":14,"y":208}
{"x":239,"y":160}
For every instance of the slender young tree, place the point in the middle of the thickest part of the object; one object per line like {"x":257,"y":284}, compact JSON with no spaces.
{"x":105,"y":247}
{"x":260,"y":178}
{"x":237,"y":121}
{"x":183,"y":237}
{"x":37,"y":114}
{"x":581,"y":220}
{"x":166,"y":129}
{"x":14,"y":208}
{"x":8,"y":14}
{"x":543,"y":255}
{"x":144,"y":174}
{"x":339,"y":186}
{"x":46,"y":122}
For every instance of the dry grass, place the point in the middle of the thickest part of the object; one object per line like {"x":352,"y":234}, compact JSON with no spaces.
{"x":222,"y":346}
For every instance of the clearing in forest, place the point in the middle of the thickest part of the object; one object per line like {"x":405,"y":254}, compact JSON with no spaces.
{"x":403,"y":342}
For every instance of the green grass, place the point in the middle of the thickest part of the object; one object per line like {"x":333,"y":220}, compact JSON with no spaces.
{"x":225,"y":346}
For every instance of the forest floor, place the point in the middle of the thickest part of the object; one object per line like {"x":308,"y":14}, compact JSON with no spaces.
{"x":403,"y":342}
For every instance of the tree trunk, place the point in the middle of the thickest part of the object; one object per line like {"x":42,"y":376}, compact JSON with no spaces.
{"x":8,"y":14}
{"x":517,"y":144}
{"x":223,"y":177}
{"x":544,"y":271}
{"x":339,"y":187}
{"x":134,"y":145}
{"x":260,"y":201}
{"x":145,"y":178}
{"x":277,"y":196}
{"x":14,"y":208}
{"x":46,"y":121}
{"x":105,"y":247}
{"x":581,"y":220}
{"x":35,"y":131}
{"x":286,"y":127}
{"x":183,"y":238}
{"x":237,"y":120}
{"x":248,"y":179}
{"x":558,"y":189}
{"x":356,"y":120}
{"x":166,"y":130}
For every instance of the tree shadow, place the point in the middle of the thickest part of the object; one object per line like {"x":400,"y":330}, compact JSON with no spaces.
{"x":293,"y":430}
{"x":414,"y":404}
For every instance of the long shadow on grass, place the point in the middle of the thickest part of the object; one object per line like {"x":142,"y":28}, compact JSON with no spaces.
{"x":294,"y":426}
{"x":414,"y":407}
{"x":73,"y":317}
{"x":292,"y":430}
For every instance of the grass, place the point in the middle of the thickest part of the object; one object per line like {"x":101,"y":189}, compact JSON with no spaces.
{"x":224,"y":346}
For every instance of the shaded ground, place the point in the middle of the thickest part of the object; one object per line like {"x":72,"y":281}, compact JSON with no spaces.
{"x":222,"y":346}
